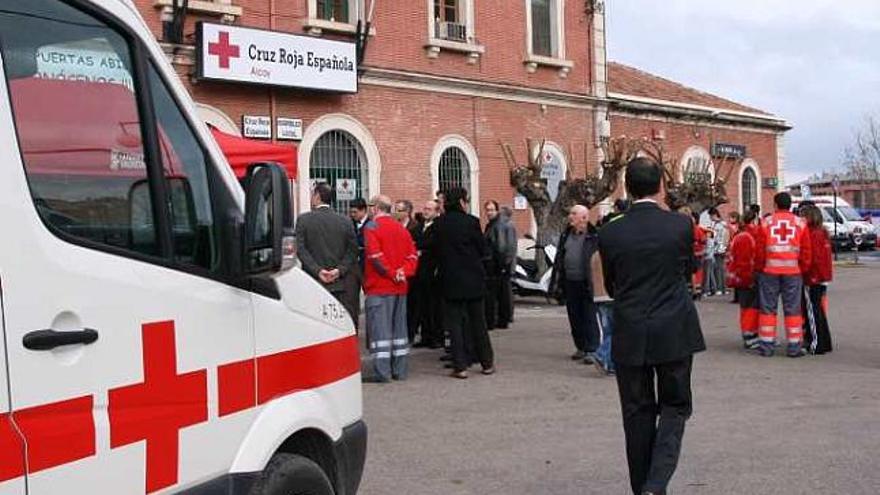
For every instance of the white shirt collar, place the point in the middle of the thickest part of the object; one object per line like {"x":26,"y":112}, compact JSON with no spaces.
{"x":645,"y":200}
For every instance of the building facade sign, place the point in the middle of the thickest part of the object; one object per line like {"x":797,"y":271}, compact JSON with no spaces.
{"x":238,"y":54}
{"x":256,"y":126}
{"x":728,"y":150}
{"x":289,"y":129}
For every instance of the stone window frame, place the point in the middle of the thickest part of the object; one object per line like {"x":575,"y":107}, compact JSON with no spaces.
{"x":472,"y":48}
{"x":460,"y":142}
{"x":316,"y":26}
{"x":558,"y":60}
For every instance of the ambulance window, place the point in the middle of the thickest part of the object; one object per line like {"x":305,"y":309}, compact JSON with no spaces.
{"x":186,"y":172}
{"x":76,"y":116}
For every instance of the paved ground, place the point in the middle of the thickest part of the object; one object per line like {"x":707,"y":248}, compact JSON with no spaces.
{"x":544,"y":425}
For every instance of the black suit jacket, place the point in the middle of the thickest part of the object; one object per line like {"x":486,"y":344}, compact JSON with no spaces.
{"x":647,"y":259}
{"x":461,"y":252}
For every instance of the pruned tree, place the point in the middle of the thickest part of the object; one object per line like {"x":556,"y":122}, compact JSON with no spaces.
{"x":589,"y":190}
{"x":862,"y":157}
{"x":698,"y":189}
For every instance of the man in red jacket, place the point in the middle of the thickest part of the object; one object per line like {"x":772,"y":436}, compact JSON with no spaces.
{"x":391,"y":259}
{"x":783,"y":255}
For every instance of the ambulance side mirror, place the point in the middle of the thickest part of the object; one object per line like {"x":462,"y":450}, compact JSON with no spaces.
{"x":269,"y":245}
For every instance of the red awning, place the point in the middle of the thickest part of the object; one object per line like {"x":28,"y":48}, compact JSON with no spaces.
{"x":241,"y":152}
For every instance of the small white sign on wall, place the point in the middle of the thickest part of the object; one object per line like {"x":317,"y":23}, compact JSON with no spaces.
{"x":256,"y":126}
{"x":346,"y":189}
{"x":520,"y":202}
{"x":289,"y":129}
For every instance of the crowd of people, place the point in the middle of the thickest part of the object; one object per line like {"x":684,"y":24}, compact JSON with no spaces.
{"x":435,"y":279}
{"x":439,"y":279}
{"x":783,"y":255}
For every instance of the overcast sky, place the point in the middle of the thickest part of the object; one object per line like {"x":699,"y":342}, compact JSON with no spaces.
{"x":814,"y":62}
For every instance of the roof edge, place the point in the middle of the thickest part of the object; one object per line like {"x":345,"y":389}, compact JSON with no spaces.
{"x":673,"y":107}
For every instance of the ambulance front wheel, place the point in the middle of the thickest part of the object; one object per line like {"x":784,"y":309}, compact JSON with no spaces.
{"x":290,"y":474}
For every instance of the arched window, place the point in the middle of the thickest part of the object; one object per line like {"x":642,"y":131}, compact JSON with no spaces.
{"x":338,"y":160}
{"x":455,"y":170}
{"x":749,"y":189}
{"x":697,"y":166}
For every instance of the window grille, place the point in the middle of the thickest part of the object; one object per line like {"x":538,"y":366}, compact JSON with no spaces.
{"x":455,"y":171}
{"x":338,"y":156}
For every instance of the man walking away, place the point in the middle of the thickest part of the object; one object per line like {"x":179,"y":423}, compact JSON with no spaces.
{"x":571,"y":272}
{"x":327,"y":248}
{"x":461,"y":252}
{"x":784,"y":255}
{"x":647,"y":257}
{"x":390,"y":260}
{"x":501,"y":239}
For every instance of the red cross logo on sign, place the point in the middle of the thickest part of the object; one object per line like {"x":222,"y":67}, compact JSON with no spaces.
{"x":223,"y":49}
{"x":156,"y":409}
{"x":783,"y":232}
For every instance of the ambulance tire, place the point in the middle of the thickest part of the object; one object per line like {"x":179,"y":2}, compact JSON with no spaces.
{"x":290,"y":474}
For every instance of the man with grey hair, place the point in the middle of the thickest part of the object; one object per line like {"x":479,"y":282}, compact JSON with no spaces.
{"x":501,"y":238}
{"x":573,"y":281}
{"x":391,"y":260}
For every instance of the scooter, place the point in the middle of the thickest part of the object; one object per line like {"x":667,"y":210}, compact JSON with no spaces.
{"x":526,"y":280}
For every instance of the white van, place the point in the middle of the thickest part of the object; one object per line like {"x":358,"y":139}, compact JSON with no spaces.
{"x":850,"y":225}
{"x":155,"y":338}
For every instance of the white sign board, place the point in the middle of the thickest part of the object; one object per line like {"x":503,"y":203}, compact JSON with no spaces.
{"x":78,"y":64}
{"x":289,"y":129}
{"x":552,"y":171}
{"x":255,"y":126}
{"x":346,"y":189}
{"x":231,"y":53}
{"x":520,"y":202}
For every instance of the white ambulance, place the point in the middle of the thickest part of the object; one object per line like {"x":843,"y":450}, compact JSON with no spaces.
{"x":155,"y":338}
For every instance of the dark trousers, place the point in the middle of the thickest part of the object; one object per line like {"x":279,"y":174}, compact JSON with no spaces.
{"x":499,"y":301}
{"x":817,"y":332}
{"x":350,"y":297}
{"x":430,"y":312}
{"x":652,"y":446}
{"x":413,"y":311}
{"x":466,"y":322}
{"x":582,"y":315}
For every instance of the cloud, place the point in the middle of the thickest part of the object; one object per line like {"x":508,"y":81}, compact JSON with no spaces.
{"x":814,"y":62}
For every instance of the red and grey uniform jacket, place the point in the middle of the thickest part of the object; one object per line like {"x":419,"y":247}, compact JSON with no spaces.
{"x":741,"y":260}
{"x":388,"y":248}
{"x":784,"y":246}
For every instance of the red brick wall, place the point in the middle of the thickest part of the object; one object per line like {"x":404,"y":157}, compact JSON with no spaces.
{"x":760,"y":147}
{"x":401,"y":32}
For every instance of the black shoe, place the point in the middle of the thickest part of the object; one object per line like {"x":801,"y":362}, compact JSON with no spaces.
{"x":446,"y":357}
{"x":434,"y":345}
{"x":419,"y":345}
{"x":503,"y":327}
{"x":374,"y":379}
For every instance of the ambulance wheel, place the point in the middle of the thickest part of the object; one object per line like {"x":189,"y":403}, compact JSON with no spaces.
{"x":289,"y":474}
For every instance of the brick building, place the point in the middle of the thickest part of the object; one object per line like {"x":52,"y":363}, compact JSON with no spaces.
{"x":861,"y":191}
{"x":443,"y":82}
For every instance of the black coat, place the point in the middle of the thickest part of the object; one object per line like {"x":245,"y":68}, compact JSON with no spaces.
{"x":647,"y":259}
{"x":424,"y":240}
{"x":461,"y":252}
{"x":558,"y":280}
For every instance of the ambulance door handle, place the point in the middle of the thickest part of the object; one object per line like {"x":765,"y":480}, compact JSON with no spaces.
{"x":46,"y":340}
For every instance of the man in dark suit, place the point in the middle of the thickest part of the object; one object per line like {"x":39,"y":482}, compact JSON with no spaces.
{"x":328,"y":250}
{"x":461,"y":253}
{"x":647,"y":259}
{"x":430,"y":315}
